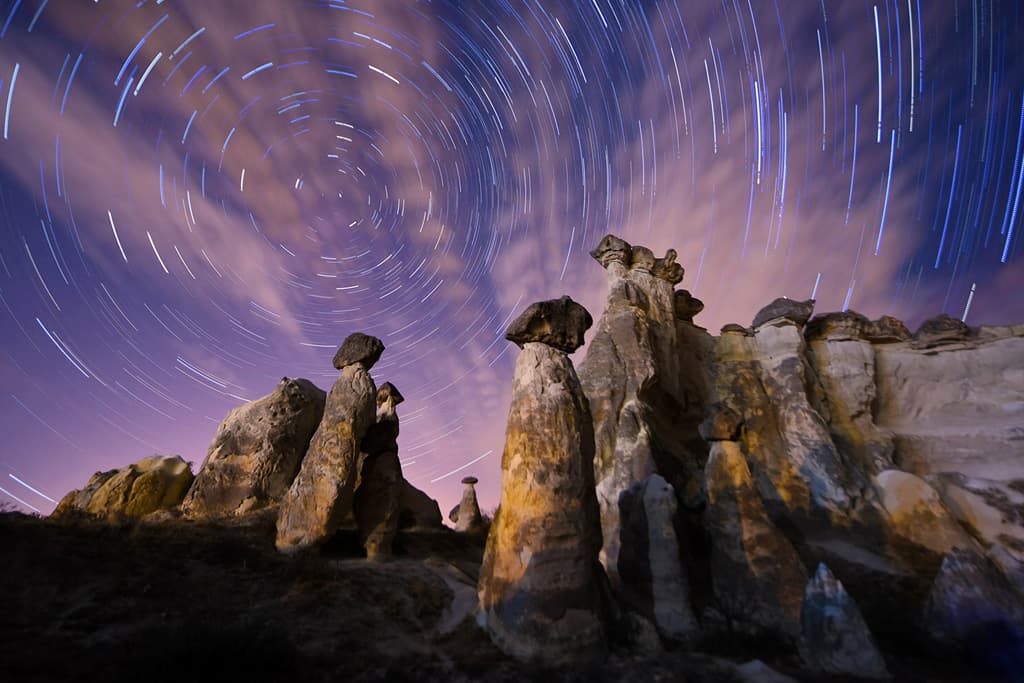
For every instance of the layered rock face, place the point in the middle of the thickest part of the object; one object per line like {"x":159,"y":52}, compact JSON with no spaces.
{"x":321,"y":495}
{"x":645,"y":413}
{"x":151,"y":484}
{"x":257,"y":452}
{"x":541,"y":586}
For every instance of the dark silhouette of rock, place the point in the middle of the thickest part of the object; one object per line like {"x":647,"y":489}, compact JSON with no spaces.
{"x":142,"y":488}
{"x":257,"y":452}
{"x":686,"y":305}
{"x":358,"y":348}
{"x":377,"y":500}
{"x":667,"y":269}
{"x":837,"y":326}
{"x":418,"y":510}
{"x":541,"y":585}
{"x":968,"y":598}
{"x":834,"y":639}
{"x":798,"y":312}
{"x":653,"y":578}
{"x":613,"y":250}
{"x":320,"y":497}
{"x":722,"y":424}
{"x":560,"y":323}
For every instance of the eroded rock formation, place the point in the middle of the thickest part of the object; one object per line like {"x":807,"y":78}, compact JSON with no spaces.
{"x":377,"y":500}
{"x":834,"y":639}
{"x":321,"y":495}
{"x":151,"y":484}
{"x":541,"y":586}
{"x":466,"y":514}
{"x":257,"y":452}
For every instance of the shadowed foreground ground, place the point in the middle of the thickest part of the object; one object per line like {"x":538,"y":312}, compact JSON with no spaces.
{"x":179,"y":601}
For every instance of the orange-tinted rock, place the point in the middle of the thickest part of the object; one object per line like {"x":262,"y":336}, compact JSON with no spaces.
{"x":542,"y":589}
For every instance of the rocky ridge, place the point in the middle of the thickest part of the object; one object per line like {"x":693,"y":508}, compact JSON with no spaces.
{"x":823,"y":483}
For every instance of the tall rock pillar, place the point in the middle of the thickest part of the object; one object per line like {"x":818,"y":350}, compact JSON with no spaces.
{"x":542,"y":590}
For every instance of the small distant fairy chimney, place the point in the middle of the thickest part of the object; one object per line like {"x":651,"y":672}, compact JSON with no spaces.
{"x":468,"y":517}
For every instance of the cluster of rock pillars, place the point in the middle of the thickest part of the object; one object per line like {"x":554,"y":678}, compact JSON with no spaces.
{"x":821,"y":481}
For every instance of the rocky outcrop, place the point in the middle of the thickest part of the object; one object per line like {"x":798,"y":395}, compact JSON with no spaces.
{"x":147,"y":486}
{"x":834,"y":639}
{"x":257,"y":452}
{"x":796,"y":312}
{"x":971,"y":600}
{"x":377,"y":499}
{"x":321,"y":495}
{"x":758,"y":576}
{"x":417,"y":509}
{"x":541,"y":585}
{"x":763,"y":378}
{"x":916,"y":514}
{"x":644,"y":420}
{"x":654,"y":581}
{"x":466,"y":514}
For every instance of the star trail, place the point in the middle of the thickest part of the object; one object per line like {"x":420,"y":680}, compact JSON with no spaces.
{"x":197,"y":198}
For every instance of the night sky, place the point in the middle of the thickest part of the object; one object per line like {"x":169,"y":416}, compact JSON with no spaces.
{"x":200,"y":197}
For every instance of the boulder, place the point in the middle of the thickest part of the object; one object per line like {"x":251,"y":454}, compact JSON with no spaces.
{"x":886,"y":330}
{"x":560,"y":323}
{"x":542,"y":591}
{"x":837,"y":326}
{"x":757,"y":576}
{"x":151,"y":484}
{"x":321,"y":495}
{"x":376,"y":502}
{"x":834,"y":639}
{"x":653,"y":578}
{"x":467,"y":513}
{"x":256,"y":452}
{"x":797,"y":312}
{"x":358,"y":348}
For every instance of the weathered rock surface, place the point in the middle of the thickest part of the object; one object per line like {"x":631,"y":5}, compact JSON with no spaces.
{"x":321,"y":495}
{"x":645,"y":412}
{"x":942,"y":329}
{"x":654,"y":581}
{"x":758,"y":576}
{"x":358,"y":348}
{"x":798,"y":312}
{"x":257,"y":452}
{"x":541,"y":587}
{"x":957,"y":407}
{"x":560,"y":323}
{"x":151,"y":484}
{"x":687,"y":305}
{"x":971,"y":600}
{"x":788,"y":445}
{"x":466,"y":514}
{"x":376,"y":503}
{"x":834,"y":639}
{"x":916,"y":513}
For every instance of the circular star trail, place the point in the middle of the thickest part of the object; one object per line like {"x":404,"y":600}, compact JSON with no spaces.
{"x":197,"y":198}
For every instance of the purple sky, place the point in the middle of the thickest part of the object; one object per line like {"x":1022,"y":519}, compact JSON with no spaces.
{"x":197,"y":198}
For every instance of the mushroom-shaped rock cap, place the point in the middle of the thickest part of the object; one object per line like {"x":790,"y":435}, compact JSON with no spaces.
{"x":667,"y":268}
{"x":798,"y":312}
{"x":687,"y":305}
{"x":733,"y":328}
{"x":358,"y":348}
{"x":469,"y":480}
{"x":941,"y":329}
{"x":389,"y":391}
{"x":612,"y":249}
{"x":559,"y":323}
